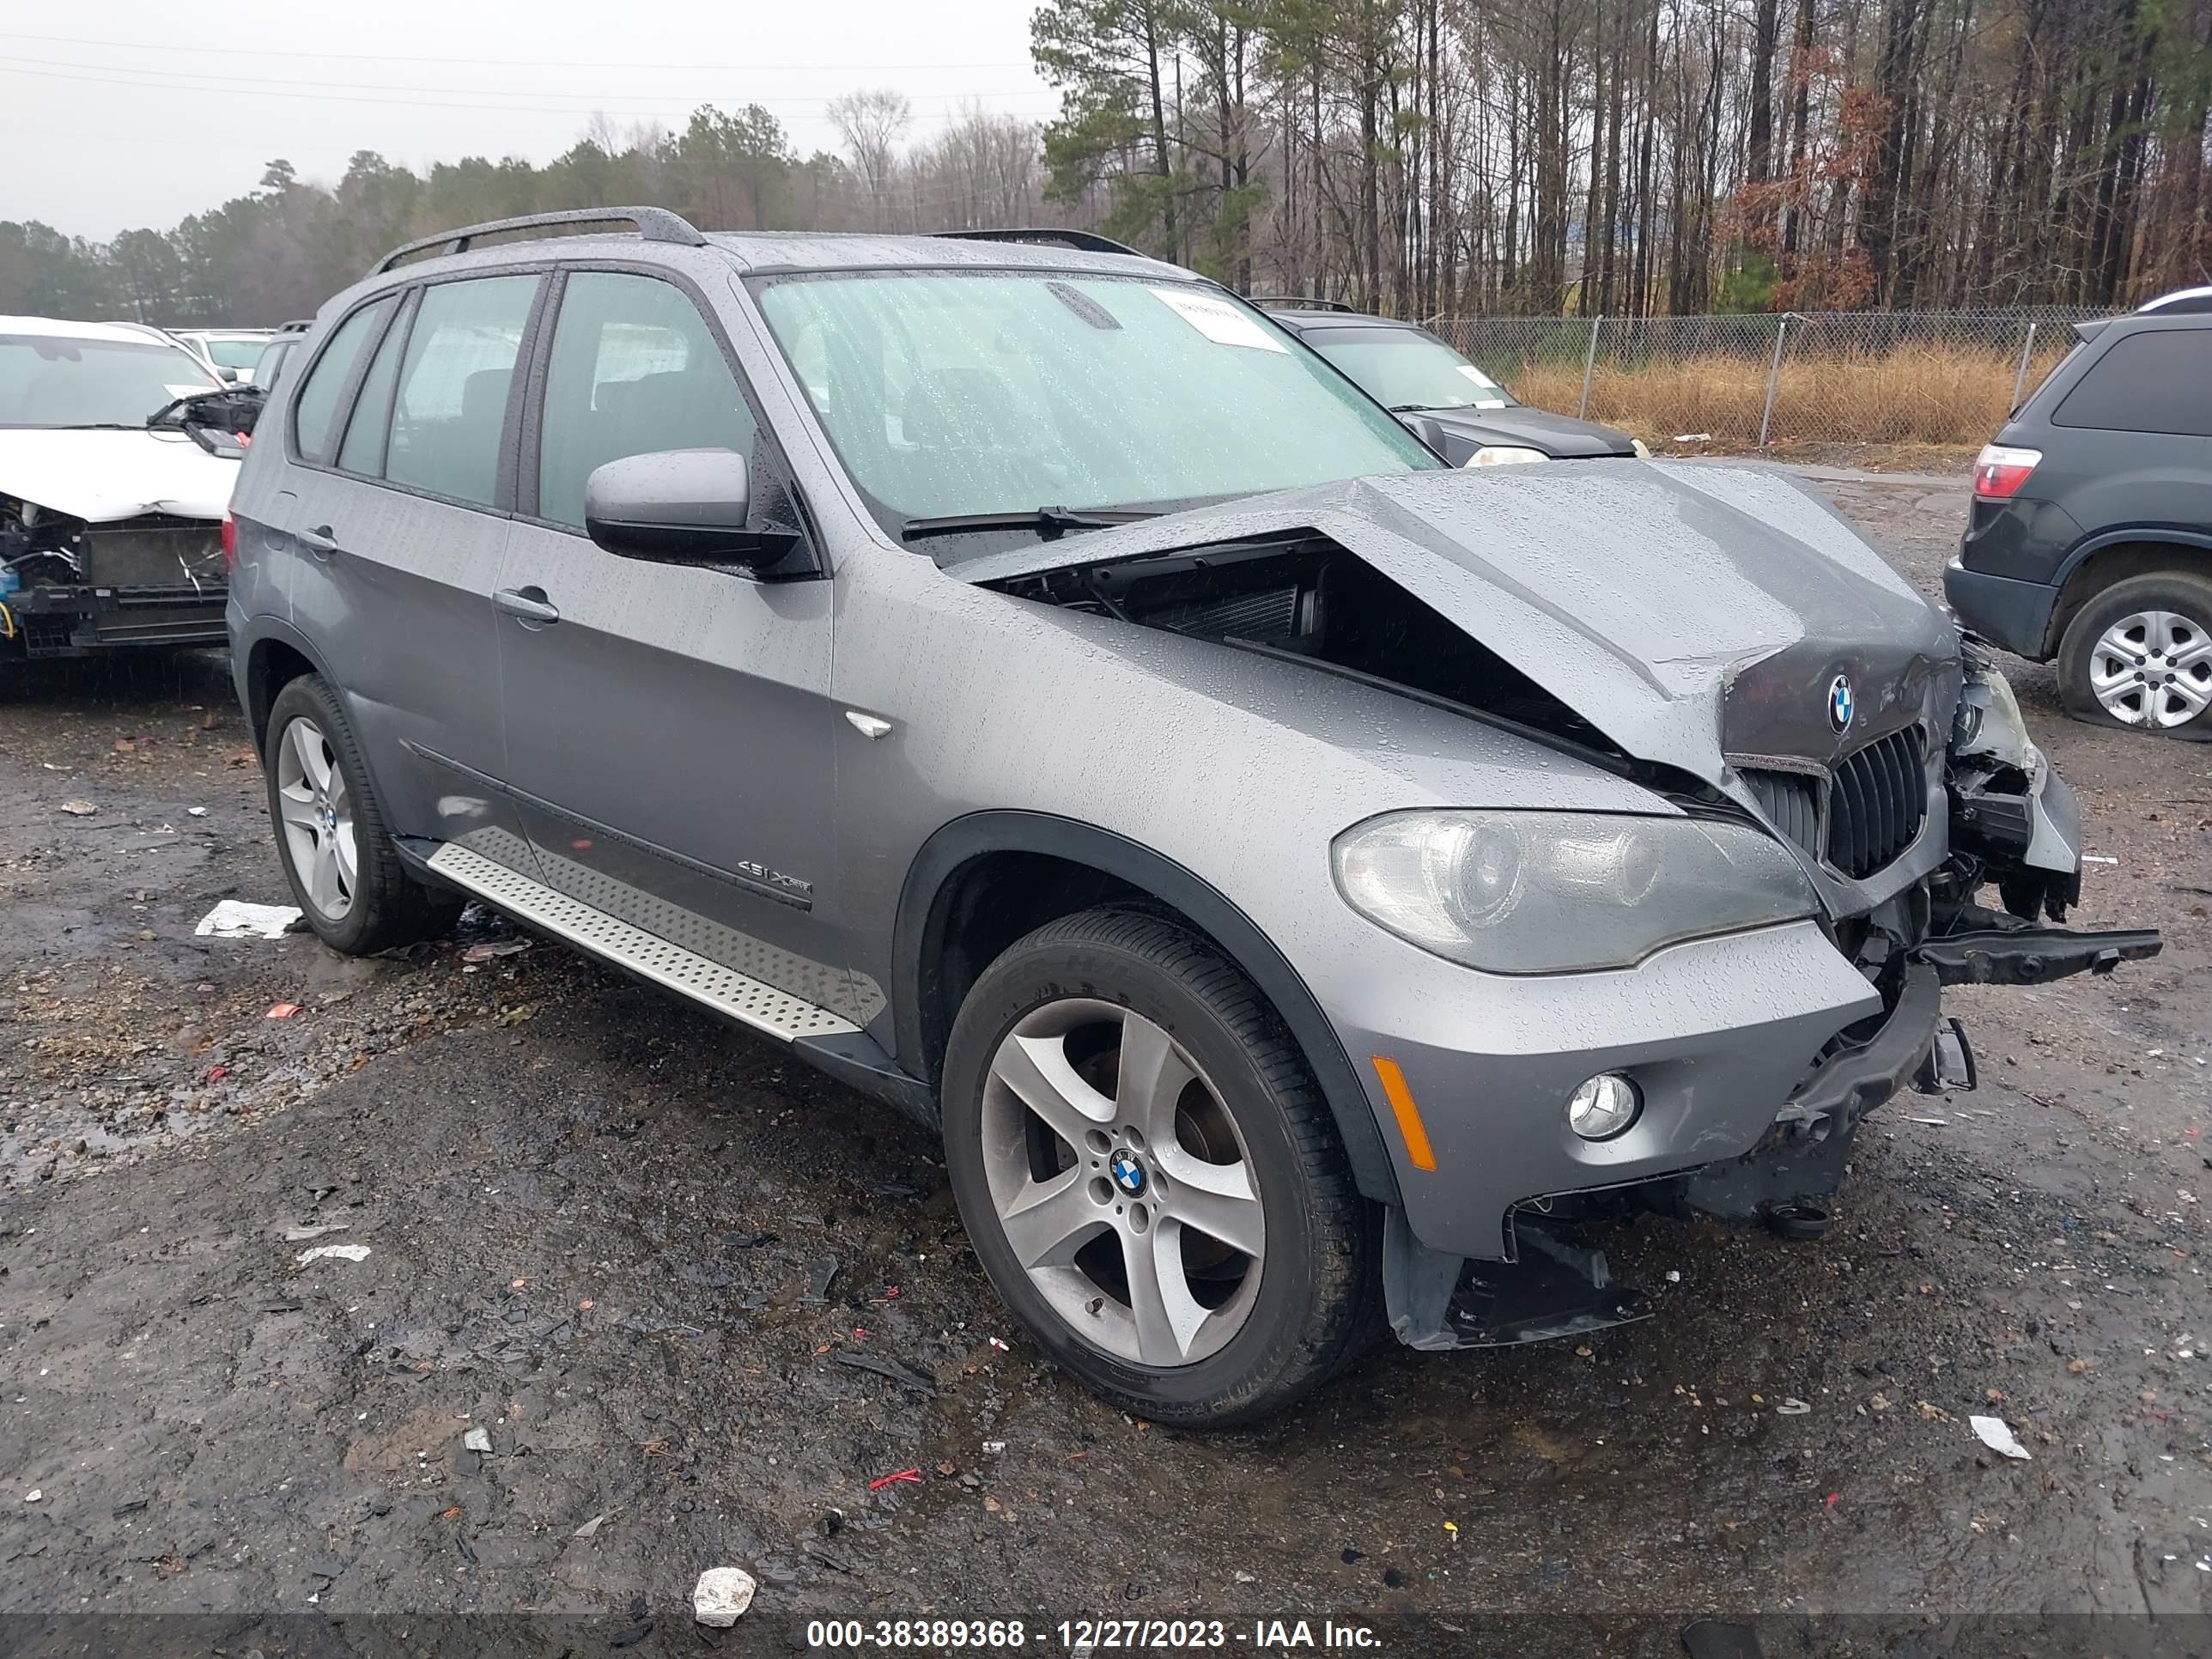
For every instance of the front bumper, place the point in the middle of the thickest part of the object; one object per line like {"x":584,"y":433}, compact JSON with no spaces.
{"x":83,"y":620}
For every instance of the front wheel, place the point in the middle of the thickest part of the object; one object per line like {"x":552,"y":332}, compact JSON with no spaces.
{"x":2140,"y":654}
{"x":1151,"y":1176}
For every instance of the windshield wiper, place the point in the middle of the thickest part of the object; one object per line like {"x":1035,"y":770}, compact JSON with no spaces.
{"x":1050,"y":522}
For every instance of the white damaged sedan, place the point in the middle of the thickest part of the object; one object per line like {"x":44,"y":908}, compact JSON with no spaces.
{"x":116,"y":458}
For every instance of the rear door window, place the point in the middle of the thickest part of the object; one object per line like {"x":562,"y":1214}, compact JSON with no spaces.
{"x":2158,"y":380}
{"x":634,"y":369}
{"x":363,"y":449}
{"x":453,"y":384}
{"x":317,"y":402}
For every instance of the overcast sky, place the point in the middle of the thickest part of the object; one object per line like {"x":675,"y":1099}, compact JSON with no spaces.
{"x":127,"y":113}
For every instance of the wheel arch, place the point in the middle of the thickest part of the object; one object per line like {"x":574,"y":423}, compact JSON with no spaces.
{"x":273,"y":659}
{"x":1039,"y":866}
{"x":2116,"y":555}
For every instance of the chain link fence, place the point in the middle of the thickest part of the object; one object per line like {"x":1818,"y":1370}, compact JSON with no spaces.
{"x":1894,"y":377}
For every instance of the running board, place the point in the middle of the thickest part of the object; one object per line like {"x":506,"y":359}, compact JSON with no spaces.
{"x":738,"y":996}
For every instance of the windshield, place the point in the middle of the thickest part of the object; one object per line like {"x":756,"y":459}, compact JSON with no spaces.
{"x":54,"y":380}
{"x":1408,"y":369}
{"x":950,"y":393}
{"x":237,"y":353}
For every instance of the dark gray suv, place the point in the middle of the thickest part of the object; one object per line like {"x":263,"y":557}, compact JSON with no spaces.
{"x":1305,"y":884}
{"x":2091,"y":539}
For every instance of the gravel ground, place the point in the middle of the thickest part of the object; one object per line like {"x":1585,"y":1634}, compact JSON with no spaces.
{"x":699,"y":1300}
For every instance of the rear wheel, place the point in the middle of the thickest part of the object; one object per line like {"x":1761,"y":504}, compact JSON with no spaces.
{"x":331,"y":836}
{"x":2140,"y":654}
{"x":1150,"y":1175}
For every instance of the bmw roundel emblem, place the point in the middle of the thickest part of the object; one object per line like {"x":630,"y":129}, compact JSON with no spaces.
{"x":1128,"y":1174}
{"x":1839,"y":703}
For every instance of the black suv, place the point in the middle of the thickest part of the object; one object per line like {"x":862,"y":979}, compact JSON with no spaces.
{"x":2091,"y":539}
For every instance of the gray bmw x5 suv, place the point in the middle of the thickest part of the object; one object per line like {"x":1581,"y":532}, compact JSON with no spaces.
{"x":1308,"y":886}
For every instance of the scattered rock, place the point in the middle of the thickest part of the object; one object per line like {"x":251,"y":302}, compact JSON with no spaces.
{"x":720,"y":1597}
{"x":477,"y":1440}
{"x":80,"y":809}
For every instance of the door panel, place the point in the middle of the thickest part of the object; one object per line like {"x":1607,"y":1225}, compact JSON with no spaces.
{"x":669,"y":736}
{"x":397,"y":585}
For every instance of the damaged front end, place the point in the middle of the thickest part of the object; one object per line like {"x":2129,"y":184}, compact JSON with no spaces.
{"x":113,"y":539}
{"x":72,"y":587}
{"x":1725,"y":641}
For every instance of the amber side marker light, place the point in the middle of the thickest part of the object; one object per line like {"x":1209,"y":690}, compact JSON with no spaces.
{"x":1408,"y":1115}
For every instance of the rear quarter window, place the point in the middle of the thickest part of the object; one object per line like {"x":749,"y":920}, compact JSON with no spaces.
{"x":2158,"y":380}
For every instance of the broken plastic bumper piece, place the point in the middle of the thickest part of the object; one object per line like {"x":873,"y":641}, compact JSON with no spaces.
{"x":1554,"y":1286}
{"x":2025,"y":955}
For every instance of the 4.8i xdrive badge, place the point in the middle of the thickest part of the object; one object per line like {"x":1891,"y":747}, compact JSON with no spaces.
{"x":1839,"y":703}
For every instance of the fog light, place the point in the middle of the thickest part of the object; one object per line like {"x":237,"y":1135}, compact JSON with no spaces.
{"x":1603,"y":1106}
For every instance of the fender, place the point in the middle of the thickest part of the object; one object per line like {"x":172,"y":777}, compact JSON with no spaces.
{"x":257,"y":630}
{"x":2171,"y":534}
{"x":920,"y":924}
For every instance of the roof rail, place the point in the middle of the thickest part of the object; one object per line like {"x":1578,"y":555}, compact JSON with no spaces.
{"x":1088,"y":241}
{"x":1301,"y":301}
{"x":654,"y":225}
{"x":2182,"y":302}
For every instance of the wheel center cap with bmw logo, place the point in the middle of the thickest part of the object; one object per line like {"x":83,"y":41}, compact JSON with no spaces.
{"x":1839,"y":703}
{"x":1128,"y":1174}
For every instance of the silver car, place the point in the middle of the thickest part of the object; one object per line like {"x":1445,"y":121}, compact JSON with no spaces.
{"x":1309,"y":887}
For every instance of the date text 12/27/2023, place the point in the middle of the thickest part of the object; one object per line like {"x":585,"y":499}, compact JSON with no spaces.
{"x":1084,"y":1637}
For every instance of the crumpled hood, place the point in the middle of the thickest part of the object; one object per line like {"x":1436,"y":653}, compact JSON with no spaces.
{"x":1689,"y":612}
{"x":101,"y":476}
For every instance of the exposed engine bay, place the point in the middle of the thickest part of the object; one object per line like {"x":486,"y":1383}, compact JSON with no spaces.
{"x":113,"y":566}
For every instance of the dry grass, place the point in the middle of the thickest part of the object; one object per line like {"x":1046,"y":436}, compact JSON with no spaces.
{"x":1951,"y":398}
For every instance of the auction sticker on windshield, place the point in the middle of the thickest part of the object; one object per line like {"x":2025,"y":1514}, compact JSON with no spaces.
{"x":1216,"y":320}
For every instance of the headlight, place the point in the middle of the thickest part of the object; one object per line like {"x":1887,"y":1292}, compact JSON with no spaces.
{"x":1643,"y":450}
{"x":1505,"y":455}
{"x":1989,"y":722}
{"x":1562,"y":892}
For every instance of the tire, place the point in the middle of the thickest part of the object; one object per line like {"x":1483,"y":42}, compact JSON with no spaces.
{"x":2150,"y":621}
{"x":1237,"y":1330}
{"x":320,"y":796}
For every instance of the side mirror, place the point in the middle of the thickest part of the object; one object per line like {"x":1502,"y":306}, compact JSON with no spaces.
{"x":679,"y":507}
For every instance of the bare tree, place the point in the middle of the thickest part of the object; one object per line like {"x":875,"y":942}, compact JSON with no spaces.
{"x":871,"y":122}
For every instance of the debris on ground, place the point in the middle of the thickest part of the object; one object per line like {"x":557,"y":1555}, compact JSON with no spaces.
{"x":303,"y":1233}
{"x":282,"y":1010}
{"x":196,"y":812}
{"x":495,"y":947}
{"x":236,"y":919}
{"x":884,"y":1365}
{"x":33,"y":1495}
{"x":593,"y":1525}
{"x":80,"y":808}
{"x":819,"y":1272}
{"x":477,"y":1440}
{"x":1998,"y":1438}
{"x":343,"y":1252}
{"x":720,"y":1597}
{"x":1792,"y":1406}
{"x":883,"y":1480}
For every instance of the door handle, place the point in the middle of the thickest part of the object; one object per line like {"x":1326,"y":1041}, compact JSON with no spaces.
{"x":527,"y":603}
{"x":318,"y":541}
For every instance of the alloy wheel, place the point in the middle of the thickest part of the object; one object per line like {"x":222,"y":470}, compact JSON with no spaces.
{"x":1121,"y":1182}
{"x":316,"y":810}
{"x":2152,"y":668}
